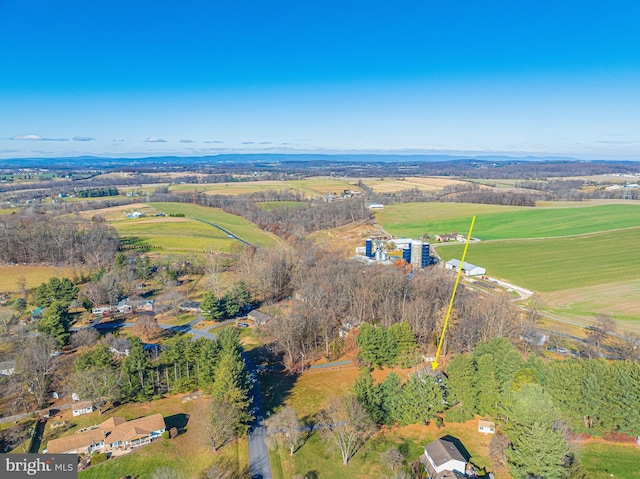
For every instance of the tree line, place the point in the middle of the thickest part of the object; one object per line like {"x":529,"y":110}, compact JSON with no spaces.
{"x":334,"y":294}
{"x":58,"y":240}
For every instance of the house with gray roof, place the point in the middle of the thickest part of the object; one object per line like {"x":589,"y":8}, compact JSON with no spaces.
{"x":445,"y":458}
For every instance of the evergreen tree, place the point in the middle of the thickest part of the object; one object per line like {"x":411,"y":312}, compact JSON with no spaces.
{"x":136,"y":367}
{"x":211,"y":307}
{"x":563,"y":381}
{"x":422,"y":399}
{"x":369,"y":394}
{"x":405,"y":342}
{"x":537,"y":449}
{"x":625,"y":397}
{"x":377,"y":346}
{"x":143,"y":267}
{"x":98,"y":356}
{"x":229,"y":340}
{"x":391,"y":392}
{"x":486,"y":385}
{"x":460,"y":384}
{"x":55,"y":323}
{"x":207,"y":362}
{"x":62,"y":291}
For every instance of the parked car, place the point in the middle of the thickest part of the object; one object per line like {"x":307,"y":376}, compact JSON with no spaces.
{"x":243,"y":325}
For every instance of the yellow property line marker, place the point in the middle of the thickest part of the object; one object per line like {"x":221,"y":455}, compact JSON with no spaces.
{"x":434,"y":363}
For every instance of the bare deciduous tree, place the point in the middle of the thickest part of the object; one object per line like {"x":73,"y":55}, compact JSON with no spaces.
{"x":35,"y":366}
{"x":147,"y":326}
{"x":602,"y":327}
{"x":285,"y":428}
{"x":392,"y":458}
{"x":84,"y":337}
{"x":346,"y":424}
{"x":100,"y":385}
{"x":166,"y":472}
{"x":219,"y":420}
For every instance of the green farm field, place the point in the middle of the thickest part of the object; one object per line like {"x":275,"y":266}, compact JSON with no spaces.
{"x":186,"y":232}
{"x":555,"y":264}
{"x":173,"y":233}
{"x":237,"y":225}
{"x":505,"y":222}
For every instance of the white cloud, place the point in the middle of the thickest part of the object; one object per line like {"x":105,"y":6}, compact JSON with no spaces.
{"x":213,"y":141}
{"x":36,"y":138}
{"x":187,"y":141}
{"x":153,"y":139}
{"x":83,"y":138}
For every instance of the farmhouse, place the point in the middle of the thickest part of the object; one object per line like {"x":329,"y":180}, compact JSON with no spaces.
{"x":447,"y":237}
{"x":113,"y":434}
{"x":467,"y":268}
{"x":445,"y":458}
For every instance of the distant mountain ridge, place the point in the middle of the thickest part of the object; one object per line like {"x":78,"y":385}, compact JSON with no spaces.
{"x":95,"y":161}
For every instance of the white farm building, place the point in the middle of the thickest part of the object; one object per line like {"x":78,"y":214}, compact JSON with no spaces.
{"x":467,"y":268}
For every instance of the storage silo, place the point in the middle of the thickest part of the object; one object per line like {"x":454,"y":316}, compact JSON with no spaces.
{"x":406,"y":254}
{"x":416,"y":253}
{"x":426,"y":258}
{"x":369,"y":248}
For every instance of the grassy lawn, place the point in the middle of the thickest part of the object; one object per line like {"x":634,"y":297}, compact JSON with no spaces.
{"x":607,"y":460}
{"x":188,"y":452}
{"x":505,"y":222}
{"x":316,"y":455}
{"x":548,"y":265}
{"x":236,"y":224}
{"x":33,"y":275}
{"x":178,"y":233}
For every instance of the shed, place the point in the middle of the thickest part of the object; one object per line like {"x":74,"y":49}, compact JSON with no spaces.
{"x":486,"y":427}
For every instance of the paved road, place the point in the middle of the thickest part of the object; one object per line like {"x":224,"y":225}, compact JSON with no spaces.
{"x":259,"y":464}
{"x":229,"y":233}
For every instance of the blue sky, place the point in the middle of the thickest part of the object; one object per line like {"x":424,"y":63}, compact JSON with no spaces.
{"x":138,"y":78}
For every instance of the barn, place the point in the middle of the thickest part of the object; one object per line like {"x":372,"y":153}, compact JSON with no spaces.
{"x":467,"y":268}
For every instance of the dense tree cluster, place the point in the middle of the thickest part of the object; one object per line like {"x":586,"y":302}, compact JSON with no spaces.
{"x":380,"y":346}
{"x":295,"y":221}
{"x":418,"y":400}
{"x":97,"y":192}
{"x":45,"y":239}
{"x":538,"y":403}
{"x":332,"y":291}
{"x":229,"y":305}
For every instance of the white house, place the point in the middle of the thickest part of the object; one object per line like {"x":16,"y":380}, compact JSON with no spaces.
{"x":443,"y":459}
{"x":467,"y":268}
{"x":82,"y":408}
